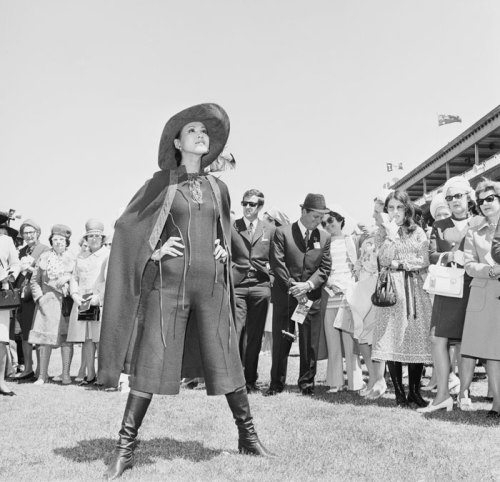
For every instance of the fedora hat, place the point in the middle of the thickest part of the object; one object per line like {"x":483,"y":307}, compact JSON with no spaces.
{"x":315,"y":202}
{"x":215,"y":119}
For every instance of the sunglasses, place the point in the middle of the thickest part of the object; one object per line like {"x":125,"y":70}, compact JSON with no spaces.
{"x":248,"y":203}
{"x":459,"y":195}
{"x":487,"y":199}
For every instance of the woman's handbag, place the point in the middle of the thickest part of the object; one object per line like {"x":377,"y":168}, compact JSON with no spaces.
{"x":11,"y":298}
{"x":66,"y":306}
{"x":385,"y":291}
{"x":445,"y":281}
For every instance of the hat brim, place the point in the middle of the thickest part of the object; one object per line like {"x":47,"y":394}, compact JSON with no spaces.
{"x":322,"y":211}
{"x":13,"y":233}
{"x":215,"y":120}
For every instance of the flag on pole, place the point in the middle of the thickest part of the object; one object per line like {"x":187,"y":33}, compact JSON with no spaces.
{"x":400,"y":166}
{"x":389,"y":166}
{"x":448,"y":119}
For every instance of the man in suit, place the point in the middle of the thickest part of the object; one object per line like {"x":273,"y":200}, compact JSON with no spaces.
{"x":301,"y":262}
{"x":250,"y":242}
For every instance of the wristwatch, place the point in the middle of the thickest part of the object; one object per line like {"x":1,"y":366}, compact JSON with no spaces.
{"x":491,"y":273}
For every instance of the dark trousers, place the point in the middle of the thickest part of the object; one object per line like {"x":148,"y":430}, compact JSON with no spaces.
{"x":309,"y":335}
{"x":252,"y":303}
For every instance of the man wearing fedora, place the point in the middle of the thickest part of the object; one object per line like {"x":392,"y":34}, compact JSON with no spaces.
{"x":250,"y":242}
{"x":301,"y":263}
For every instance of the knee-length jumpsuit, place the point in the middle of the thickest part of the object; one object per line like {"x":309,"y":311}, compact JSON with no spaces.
{"x":185,"y":325}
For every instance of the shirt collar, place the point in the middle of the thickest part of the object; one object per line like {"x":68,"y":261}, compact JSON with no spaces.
{"x":247,"y":222}
{"x":302,"y":228}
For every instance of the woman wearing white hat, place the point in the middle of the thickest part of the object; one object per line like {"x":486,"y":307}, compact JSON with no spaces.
{"x":84,"y":324}
{"x":448,"y":314}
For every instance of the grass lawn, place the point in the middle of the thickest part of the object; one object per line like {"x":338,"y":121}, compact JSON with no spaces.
{"x":55,"y":432}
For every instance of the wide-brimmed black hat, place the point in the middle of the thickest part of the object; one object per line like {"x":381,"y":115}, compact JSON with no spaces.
{"x":315,"y":202}
{"x":215,"y":119}
{"x":10,"y":231}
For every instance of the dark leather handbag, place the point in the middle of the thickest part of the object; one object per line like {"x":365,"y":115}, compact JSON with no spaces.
{"x":11,"y":298}
{"x":92,"y":314}
{"x":67,"y":305}
{"x":385,"y":291}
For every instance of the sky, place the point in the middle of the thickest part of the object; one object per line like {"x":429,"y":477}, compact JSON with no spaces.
{"x":321,"y":94}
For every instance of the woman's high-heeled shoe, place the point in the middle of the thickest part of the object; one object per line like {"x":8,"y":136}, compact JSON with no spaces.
{"x":448,"y":404}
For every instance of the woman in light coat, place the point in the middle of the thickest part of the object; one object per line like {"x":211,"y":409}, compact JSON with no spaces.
{"x":86,"y":284}
{"x":481,"y":335}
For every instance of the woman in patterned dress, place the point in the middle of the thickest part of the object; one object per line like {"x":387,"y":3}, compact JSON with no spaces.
{"x":49,"y":285}
{"x":401,"y":331}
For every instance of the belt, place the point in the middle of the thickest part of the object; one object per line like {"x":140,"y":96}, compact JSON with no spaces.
{"x":409,"y":282}
{"x":256,"y":275}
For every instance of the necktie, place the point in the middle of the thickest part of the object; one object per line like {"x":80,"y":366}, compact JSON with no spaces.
{"x":250,"y":229}
{"x":306,"y":238}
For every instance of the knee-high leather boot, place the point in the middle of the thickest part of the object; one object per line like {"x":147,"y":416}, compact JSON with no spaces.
{"x":123,"y":457}
{"x":248,"y":441}
{"x":396,"y":372}
{"x":414,"y":377}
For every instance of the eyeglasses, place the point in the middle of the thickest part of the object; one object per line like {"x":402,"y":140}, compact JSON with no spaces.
{"x":29,"y":233}
{"x":487,"y":199}
{"x":248,"y":203}
{"x":458,"y":195}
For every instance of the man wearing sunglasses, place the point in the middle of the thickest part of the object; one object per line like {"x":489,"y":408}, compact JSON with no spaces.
{"x":250,"y":263}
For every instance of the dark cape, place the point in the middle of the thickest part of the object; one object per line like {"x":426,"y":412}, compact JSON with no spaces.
{"x":137,"y":235}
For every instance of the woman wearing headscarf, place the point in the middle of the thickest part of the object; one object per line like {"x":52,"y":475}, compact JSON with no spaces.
{"x":401,"y":333}
{"x":481,"y":334}
{"x":49,"y":285}
{"x":168,"y":305}
{"x":9,"y":268}
{"x":28,"y":255}
{"x":448,"y":314}
{"x":86,"y":288}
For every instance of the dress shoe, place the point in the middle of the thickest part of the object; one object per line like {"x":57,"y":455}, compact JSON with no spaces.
{"x":308,"y":391}
{"x":465,"y":404}
{"x":377,"y":391}
{"x":448,"y":404}
{"x":7,"y":394}
{"x":271,"y":392}
{"x":493,"y":414}
{"x":86,"y":382}
{"x":252,"y":388}
{"x":26,"y":376}
{"x":58,"y":378}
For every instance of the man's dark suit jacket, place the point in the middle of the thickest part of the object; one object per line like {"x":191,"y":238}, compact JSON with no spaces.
{"x":290,"y":261}
{"x":250,"y":253}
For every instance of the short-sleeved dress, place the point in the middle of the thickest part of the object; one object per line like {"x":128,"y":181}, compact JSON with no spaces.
{"x":401,"y":331}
